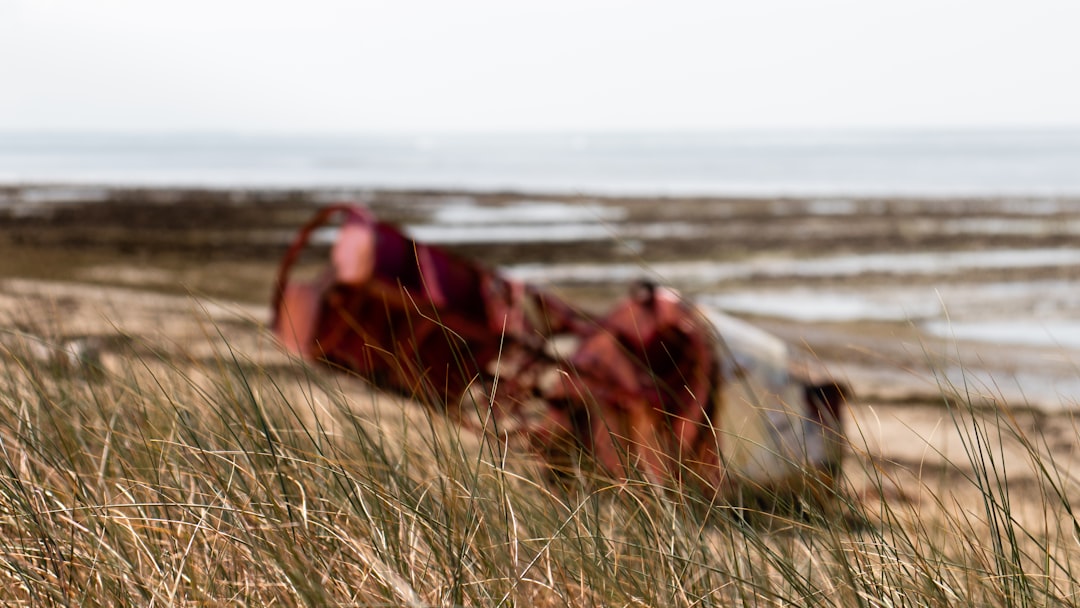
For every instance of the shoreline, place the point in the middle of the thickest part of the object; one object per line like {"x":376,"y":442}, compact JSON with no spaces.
{"x":106,"y":188}
{"x":841,"y":278}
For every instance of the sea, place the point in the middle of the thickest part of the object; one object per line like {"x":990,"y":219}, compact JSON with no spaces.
{"x":987,"y":162}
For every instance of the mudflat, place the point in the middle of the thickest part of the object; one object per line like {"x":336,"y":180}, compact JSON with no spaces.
{"x":916,"y":303}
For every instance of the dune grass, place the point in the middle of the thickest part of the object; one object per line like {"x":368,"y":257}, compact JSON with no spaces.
{"x":160,"y":479}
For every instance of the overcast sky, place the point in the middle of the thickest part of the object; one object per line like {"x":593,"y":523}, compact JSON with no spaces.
{"x":491,"y":65}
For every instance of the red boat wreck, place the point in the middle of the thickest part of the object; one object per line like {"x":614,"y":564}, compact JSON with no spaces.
{"x":654,"y":385}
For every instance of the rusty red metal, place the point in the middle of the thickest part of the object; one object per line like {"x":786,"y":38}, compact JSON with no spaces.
{"x":650,"y":386}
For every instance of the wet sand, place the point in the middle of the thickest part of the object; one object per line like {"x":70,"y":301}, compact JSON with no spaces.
{"x":896,"y":297}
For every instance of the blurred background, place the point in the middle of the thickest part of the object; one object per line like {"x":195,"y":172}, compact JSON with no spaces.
{"x":772,"y":97}
{"x":895,"y":186}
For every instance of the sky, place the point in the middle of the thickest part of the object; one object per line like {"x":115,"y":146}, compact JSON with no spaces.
{"x":329,"y":66}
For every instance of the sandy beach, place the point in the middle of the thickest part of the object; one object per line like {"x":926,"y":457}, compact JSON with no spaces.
{"x":905,"y":300}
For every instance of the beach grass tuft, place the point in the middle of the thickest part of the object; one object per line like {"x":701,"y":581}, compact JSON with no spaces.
{"x":153,"y":477}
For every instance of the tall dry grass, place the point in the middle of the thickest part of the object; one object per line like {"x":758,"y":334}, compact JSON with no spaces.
{"x":167,"y":480}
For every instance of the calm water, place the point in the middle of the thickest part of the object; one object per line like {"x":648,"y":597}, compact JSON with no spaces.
{"x":1017,"y":162}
